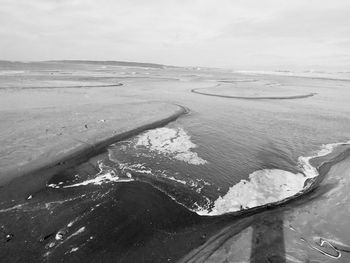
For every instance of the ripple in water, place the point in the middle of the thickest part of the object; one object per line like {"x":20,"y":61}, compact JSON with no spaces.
{"x":142,"y":157}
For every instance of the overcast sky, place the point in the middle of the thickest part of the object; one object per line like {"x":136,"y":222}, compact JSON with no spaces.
{"x":240,"y":34}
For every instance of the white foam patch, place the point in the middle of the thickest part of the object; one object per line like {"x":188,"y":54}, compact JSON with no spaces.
{"x":100,"y":179}
{"x":106,"y":175}
{"x":268,"y":186}
{"x":173,"y":143}
{"x":304,"y":162}
{"x":263,"y":187}
{"x":74,"y":249}
{"x":176,"y":180}
{"x":79,"y":231}
{"x":138,"y":167}
{"x":16,"y":207}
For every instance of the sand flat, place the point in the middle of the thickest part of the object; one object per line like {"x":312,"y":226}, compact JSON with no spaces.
{"x":35,"y":135}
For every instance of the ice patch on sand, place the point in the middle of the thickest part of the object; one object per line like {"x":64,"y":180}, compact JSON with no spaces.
{"x":173,"y":143}
{"x":268,"y":186}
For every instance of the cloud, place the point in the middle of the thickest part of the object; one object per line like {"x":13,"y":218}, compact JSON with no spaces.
{"x":245,"y":33}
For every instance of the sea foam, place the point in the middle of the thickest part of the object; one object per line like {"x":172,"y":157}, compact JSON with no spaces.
{"x":173,"y":143}
{"x":268,"y":185}
{"x":105,"y":175}
{"x":262,"y":187}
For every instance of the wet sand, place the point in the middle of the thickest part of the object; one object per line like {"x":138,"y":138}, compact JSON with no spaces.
{"x":35,"y":136}
{"x":109,"y":221}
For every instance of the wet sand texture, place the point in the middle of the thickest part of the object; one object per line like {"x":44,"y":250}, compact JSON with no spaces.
{"x":34,"y":139}
{"x":136,"y":230}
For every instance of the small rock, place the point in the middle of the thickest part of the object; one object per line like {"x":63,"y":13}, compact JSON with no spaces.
{"x":29,"y":197}
{"x":86,"y":126}
{"x":9,"y":237}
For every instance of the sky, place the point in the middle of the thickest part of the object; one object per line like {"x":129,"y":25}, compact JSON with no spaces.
{"x":238,"y":34}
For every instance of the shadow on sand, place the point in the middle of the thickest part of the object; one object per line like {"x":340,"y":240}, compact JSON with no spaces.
{"x":268,"y":240}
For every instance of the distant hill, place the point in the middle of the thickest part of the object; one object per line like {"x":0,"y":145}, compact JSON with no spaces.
{"x":18,"y":65}
{"x":112,"y":63}
{"x":5,"y":64}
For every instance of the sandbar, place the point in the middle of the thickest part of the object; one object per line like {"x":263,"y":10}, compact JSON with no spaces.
{"x":35,"y":136}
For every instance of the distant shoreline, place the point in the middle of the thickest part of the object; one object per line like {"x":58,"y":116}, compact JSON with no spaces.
{"x":66,"y":87}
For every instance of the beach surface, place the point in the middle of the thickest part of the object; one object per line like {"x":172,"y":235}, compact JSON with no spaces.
{"x":51,"y":130}
{"x":100,"y":162}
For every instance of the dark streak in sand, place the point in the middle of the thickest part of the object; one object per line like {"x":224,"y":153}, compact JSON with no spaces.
{"x":64,"y":87}
{"x":255,"y":98}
